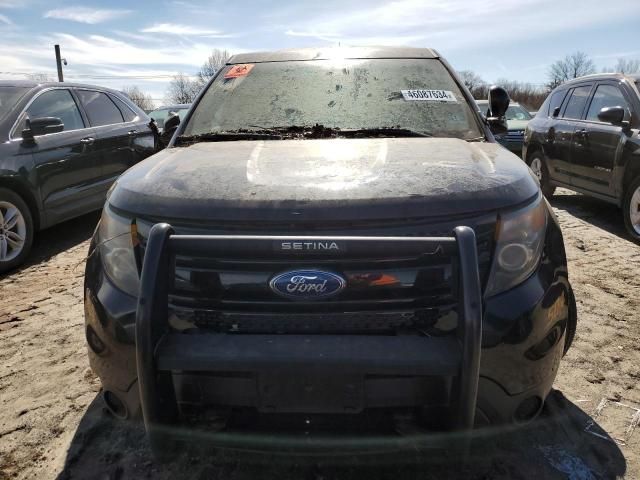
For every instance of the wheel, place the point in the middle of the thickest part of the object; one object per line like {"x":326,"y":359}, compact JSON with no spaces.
{"x":538,"y":166}
{"x":16,"y":230}
{"x":572,"y":322}
{"x":631,"y":209}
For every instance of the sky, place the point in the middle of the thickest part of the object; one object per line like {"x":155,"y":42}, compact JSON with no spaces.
{"x":124,"y":43}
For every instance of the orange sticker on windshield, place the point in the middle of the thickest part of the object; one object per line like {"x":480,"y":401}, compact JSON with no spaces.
{"x":241,"y":70}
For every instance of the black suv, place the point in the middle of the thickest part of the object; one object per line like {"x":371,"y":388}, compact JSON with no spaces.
{"x":586,"y":137}
{"x":330,"y":232}
{"x":63,"y":145}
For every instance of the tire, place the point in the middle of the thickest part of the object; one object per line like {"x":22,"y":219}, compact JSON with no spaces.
{"x":16,"y":230}
{"x":631,"y":209}
{"x":538,"y":166}
{"x":572,"y":322}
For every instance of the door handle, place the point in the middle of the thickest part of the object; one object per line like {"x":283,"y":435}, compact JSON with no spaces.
{"x":581,"y":133}
{"x":132,"y":132}
{"x":87,"y":140}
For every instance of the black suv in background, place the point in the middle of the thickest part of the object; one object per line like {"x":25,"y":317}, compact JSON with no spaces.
{"x":62,"y":147}
{"x":586,"y":137}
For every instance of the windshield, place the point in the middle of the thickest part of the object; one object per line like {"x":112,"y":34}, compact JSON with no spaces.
{"x":160,"y":115}
{"x":516,"y":112}
{"x":416,"y":95}
{"x":9,"y":96}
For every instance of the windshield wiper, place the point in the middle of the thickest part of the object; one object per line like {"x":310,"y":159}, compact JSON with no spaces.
{"x":299,"y":132}
{"x":383,"y":132}
{"x":227,"y":136}
{"x":320,"y":131}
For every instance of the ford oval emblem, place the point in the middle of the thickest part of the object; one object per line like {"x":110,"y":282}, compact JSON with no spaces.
{"x":307,"y":284}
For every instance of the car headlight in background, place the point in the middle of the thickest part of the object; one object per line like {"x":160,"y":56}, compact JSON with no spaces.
{"x":520,"y":240}
{"x":115,"y":241}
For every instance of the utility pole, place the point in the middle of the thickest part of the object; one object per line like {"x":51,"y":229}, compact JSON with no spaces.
{"x":59,"y":63}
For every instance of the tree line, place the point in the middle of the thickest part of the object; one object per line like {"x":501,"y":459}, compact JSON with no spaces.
{"x":184,"y":88}
{"x":530,"y":95}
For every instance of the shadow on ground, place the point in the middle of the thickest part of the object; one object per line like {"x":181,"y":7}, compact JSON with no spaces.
{"x":564,"y":442}
{"x":59,"y":238}
{"x":596,"y":212}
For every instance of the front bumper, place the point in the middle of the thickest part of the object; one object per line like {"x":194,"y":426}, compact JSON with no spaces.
{"x":522,"y":344}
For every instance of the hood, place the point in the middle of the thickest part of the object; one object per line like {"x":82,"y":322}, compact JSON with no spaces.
{"x":517,"y":124}
{"x":326,"y":179}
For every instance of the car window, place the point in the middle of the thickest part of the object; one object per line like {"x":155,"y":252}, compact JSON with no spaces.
{"x":577,"y":101}
{"x":59,"y":104}
{"x":127,"y":112}
{"x":516,"y":112}
{"x":606,"y":96}
{"x":414,"y":94}
{"x":555,"y":101}
{"x":99,"y":107}
{"x":160,"y":115}
{"x":9,"y":96}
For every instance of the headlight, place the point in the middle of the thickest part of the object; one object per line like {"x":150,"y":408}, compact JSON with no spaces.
{"x":520,"y":239}
{"x":116,"y":250}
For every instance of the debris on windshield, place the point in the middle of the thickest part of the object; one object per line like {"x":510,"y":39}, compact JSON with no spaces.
{"x":258,"y":132}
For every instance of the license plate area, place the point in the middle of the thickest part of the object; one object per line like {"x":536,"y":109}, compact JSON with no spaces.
{"x":310,"y":393}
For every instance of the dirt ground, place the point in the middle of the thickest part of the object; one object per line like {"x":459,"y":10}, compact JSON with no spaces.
{"x":52,"y":424}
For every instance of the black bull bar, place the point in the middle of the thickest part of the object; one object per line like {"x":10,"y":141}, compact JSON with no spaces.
{"x":159,"y":351}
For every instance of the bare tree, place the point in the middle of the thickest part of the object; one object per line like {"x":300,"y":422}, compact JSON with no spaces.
{"x":625,"y":66}
{"x":574,"y":65}
{"x":214,"y":62}
{"x":137,"y":96}
{"x":472,"y":81}
{"x":182,"y":89}
{"x":526,"y":94}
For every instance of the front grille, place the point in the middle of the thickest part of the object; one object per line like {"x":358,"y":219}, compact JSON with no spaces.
{"x":389,"y":293}
{"x":515,"y":136}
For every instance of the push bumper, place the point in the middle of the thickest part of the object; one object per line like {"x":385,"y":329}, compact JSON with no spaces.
{"x":301,"y":373}
{"x":529,"y":318}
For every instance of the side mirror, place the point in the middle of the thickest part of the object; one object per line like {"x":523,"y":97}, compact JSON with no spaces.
{"x":170,"y":127}
{"x":42,"y":126}
{"x":498,"y":104}
{"x":613,"y":115}
{"x":556,"y":112}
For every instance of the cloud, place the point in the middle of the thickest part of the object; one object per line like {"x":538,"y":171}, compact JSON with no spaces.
{"x":11,"y":3}
{"x":452,"y":24}
{"x":177,"y":29}
{"x":85,"y":14}
{"x":4,"y":19}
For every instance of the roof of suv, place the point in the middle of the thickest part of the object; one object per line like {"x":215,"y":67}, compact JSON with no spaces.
{"x":604,"y":76}
{"x":324,"y":53}
{"x":32,"y":84}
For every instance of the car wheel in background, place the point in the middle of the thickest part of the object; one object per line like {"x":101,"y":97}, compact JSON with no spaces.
{"x":538,"y":166}
{"x":16,"y":230}
{"x":631,"y":209}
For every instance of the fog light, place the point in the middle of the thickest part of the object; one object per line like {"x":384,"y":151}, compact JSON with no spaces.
{"x":513,"y":257}
{"x":116,"y":406}
{"x":94,"y":341}
{"x":528,"y":409}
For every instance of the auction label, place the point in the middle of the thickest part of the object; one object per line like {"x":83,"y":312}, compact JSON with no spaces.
{"x":239,"y":70}
{"x":428,"y":96}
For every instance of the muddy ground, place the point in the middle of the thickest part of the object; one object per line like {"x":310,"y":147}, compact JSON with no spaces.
{"x":52,"y":424}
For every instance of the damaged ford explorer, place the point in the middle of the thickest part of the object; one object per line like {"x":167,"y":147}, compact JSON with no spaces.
{"x":331,"y":233}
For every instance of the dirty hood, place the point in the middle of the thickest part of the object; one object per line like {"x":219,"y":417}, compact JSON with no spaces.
{"x":325,"y":179}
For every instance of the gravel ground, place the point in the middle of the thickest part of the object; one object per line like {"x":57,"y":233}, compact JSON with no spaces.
{"x":52,"y":424}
